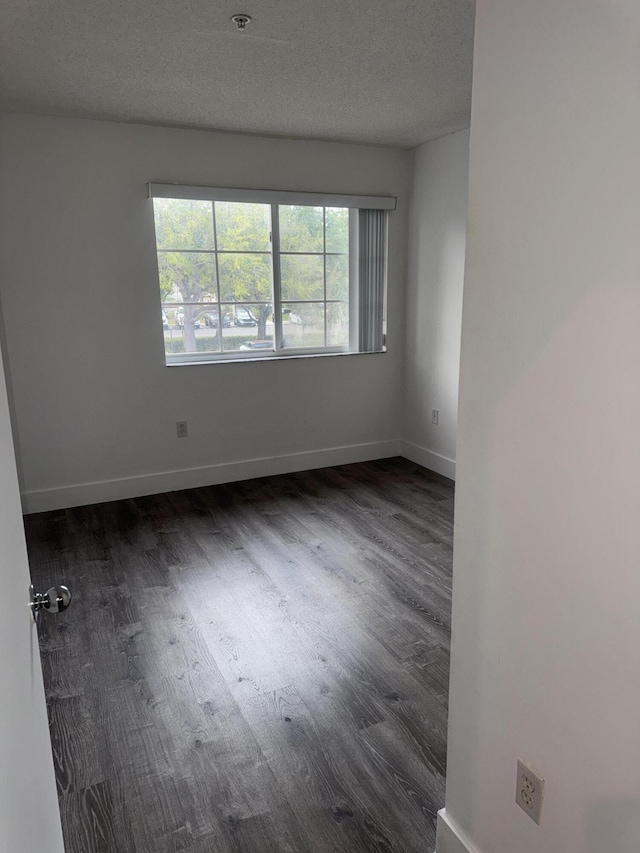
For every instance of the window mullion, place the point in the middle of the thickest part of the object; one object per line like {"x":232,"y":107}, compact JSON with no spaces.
{"x":215,"y":248}
{"x":324,"y":268}
{"x":276,"y":271}
{"x":354,"y":295}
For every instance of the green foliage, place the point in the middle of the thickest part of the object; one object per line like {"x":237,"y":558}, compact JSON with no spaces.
{"x":302,"y":276}
{"x":337,"y":223}
{"x":187,"y":277}
{"x":300,"y":228}
{"x":242,"y":227}
{"x":245,"y":277}
{"x":301,"y":232}
{"x":338,"y":277}
{"x":185,"y":224}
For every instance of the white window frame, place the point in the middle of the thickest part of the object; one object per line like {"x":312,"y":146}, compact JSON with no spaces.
{"x":275,"y":198}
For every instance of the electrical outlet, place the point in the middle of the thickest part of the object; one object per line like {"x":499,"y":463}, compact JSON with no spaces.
{"x":181,"y":429}
{"x":529,"y":788}
{"x":435,"y":414}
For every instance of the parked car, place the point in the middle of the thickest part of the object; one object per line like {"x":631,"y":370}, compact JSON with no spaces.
{"x":211,"y":319}
{"x":180,"y":319}
{"x":244,"y":317}
{"x":165,"y":320}
{"x":251,"y":345}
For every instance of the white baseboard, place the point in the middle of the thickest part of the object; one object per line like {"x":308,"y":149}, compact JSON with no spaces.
{"x":62,"y":497}
{"x":450,"y":838}
{"x":428,"y":459}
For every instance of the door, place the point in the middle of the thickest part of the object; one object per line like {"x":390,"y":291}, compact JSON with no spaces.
{"x":29,"y":817}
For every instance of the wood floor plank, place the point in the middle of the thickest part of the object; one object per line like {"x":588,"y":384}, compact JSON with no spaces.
{"x":258,"y":666}
{"x":76,"y":752}
{"x":284,"y":725}
{"x":93,"y":821}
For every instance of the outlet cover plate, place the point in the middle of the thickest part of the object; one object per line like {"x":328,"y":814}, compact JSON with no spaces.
{"x":529,"y":789}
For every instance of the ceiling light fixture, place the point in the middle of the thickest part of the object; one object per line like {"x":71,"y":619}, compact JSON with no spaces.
{"x":241,"y":21}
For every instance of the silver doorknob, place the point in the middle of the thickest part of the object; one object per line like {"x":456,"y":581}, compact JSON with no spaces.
{"x":54,"y":600}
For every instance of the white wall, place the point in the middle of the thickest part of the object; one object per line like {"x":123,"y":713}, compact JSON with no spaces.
{"x":437,"y":228}
{"x":94,"y":404}
{"x":546,"y":602}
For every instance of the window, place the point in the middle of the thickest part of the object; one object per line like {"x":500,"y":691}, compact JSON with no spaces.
{"x":247,"y":275}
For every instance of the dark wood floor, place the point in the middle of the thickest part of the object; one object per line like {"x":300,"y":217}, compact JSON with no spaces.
{"x":253,"y":667}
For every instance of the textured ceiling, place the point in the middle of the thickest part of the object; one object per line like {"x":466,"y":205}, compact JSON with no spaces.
{"x":394,"y":72}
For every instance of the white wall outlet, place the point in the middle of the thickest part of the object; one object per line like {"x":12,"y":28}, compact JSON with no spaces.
{"x":181,"y":429}
{"x":435,"y":414}
{"x":529,"y":788}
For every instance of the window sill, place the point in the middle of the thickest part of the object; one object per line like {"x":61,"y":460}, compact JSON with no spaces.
{"x":271,"y":358}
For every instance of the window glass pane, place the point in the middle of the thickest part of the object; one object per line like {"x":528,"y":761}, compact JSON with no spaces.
{"x":337,"y":223}
{"x":301,"y":228}
{"x":184,"y":313}
{"x":215,"y":268}
{"x":302,"y":276}
{"x":211,"y":318}
{"x":187,"y":276}
{"x":186,"y":329}
{"x":251,"y":328}
{"x":173,"y":341}
{"x":337,"y":324}
{"x":243,"y":227}
{"x":245,"y":278}
{"x":305,"y":326}
{"x":337,"y":276}
{"x":183,"y":223}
